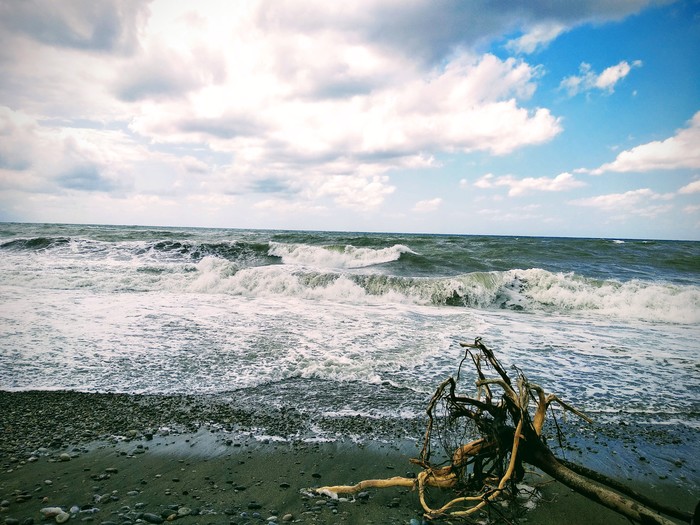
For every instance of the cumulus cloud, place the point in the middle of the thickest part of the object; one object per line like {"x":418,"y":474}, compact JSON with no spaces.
{"x":588,"y":79}
{"x":693,"y":187}
{"x":517,"y":187}
{"x":644,"y":202}
{"x":679,"y":151}
{"x":311,"y":99}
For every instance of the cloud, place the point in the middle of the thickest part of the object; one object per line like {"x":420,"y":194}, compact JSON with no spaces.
{"x":470,"y":105}
{"x":693,"y":187}
{"x":310,"y":101}
{"x":428,"y":205}
{"x":517,"y":187}
{"x":164,"y":71}
{"x":644,"y":202}
{"x":677,"y":152}
{"x":46,"y":158}
{"x":589,"y":80}
{"x":105,"y":26}
{"x":429,"y":33}
{"x":536,"y":38}
{"x":359,"y":193}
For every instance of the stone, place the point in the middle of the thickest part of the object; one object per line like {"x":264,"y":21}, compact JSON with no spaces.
{"x":51,"y":512}
{"x":62,"y":517}
{"x":288,"y":517}
{"x":11,"y":521}
{"x":184,"y":511}
{"x":152,"y":518}
{"x":64,"y":457}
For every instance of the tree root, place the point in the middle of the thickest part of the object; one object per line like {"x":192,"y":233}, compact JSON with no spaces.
{"x":506,"y":433}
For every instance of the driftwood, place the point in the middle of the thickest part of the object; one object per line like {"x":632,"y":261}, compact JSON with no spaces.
{"x":503,"y":424}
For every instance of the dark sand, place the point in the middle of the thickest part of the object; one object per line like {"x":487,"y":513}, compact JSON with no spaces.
{"x":111,"y":458}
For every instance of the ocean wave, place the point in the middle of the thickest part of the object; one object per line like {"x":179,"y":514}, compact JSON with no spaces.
{"x":518,"y":290}
{"x":347,"y":256}
{"x":34,"y":243}
{"x":347,"y":273}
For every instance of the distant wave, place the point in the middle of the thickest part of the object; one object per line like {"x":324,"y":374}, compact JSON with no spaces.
{"x":336,"y":256}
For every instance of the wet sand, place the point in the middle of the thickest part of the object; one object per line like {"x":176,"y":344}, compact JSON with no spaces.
{"x":127,"y":460}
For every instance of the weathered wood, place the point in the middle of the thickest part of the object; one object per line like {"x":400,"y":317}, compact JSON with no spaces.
{"x":510,"y":436}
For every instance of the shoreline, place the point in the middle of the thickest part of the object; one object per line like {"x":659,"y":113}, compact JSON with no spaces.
{"x":132,"y":456}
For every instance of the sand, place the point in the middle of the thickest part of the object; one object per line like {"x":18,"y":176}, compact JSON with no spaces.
{"x":132,"y":468}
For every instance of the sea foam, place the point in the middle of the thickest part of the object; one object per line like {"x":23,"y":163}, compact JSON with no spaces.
{"x":336,"y":256}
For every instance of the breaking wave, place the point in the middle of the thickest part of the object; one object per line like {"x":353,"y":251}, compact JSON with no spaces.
{"x":334,"y":272}
{"x":519,"y":290}
{"x":347,"y":256}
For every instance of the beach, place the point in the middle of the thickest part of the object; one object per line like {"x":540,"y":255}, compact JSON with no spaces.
{"x":126,"y":459}
{"x":271,"y":362}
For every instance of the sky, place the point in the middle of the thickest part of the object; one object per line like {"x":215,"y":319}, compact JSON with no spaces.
{"x":497,"y":117}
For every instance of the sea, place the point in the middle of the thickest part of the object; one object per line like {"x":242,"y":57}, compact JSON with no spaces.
{"x":345,"y":324}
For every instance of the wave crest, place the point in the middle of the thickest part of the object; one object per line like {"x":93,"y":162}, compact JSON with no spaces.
{"x":342,"y":257}
{"x":518,"y":290}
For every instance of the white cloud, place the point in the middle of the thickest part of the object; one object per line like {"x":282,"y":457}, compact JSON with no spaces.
{"x":693,"y":187}
{"x":428,"y":205}
{"x":562,"y":182}
{"x":588,"y":80}
{"x":677,"y":152}
{"x":644,"y":202}
{"x":537,"y":37}
{"x":309,"y":103}
{"x":355,"y":192}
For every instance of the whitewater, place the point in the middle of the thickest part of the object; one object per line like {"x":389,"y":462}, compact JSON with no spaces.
{"x":337,"y":324}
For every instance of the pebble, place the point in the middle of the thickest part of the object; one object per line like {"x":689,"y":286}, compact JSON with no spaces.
{"x":64,"y":457}
{"x":288,"y":517}
{"x":152,"y":518}
{"x":62,"y":517}
{"x":11,"y":521}
{"x":50,"y":512}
